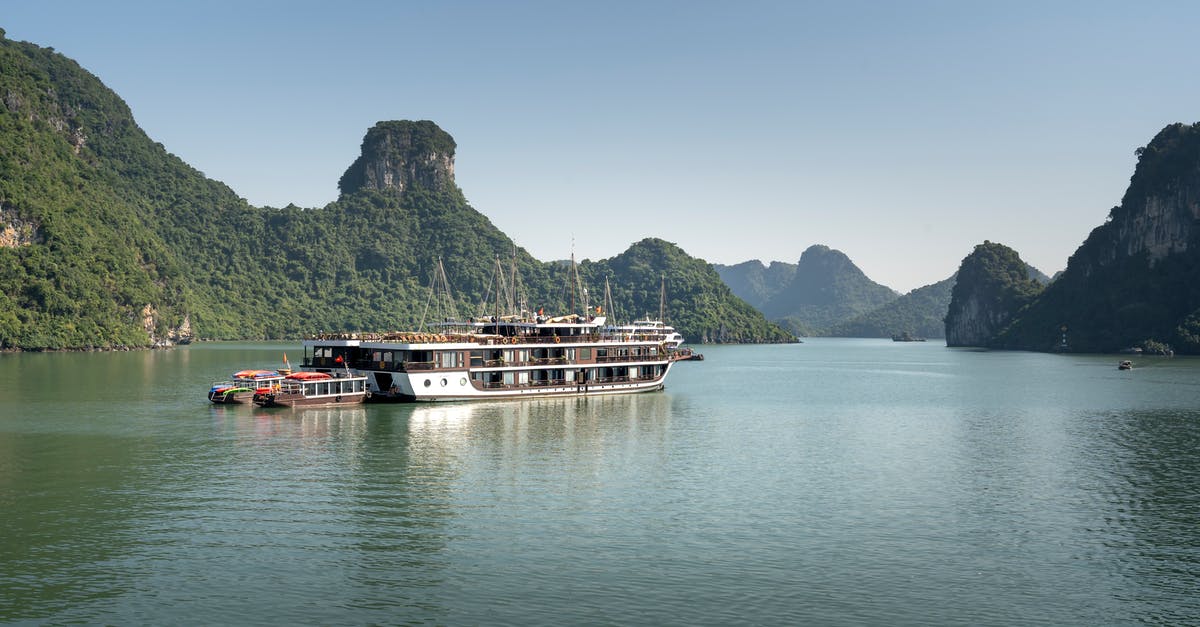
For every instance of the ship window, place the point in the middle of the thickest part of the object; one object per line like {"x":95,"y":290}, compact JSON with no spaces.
{"x":428,"y":383}
{"x":585,"y":353}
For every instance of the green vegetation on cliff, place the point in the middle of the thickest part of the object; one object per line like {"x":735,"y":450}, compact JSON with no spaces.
{"x":108,"y":240}
{"x":79,"y":265}
{"x":756,"y":283}
{"x":824,"y":289}
{"x":993,"y":285}
{"x":921,"y":313}
{"x":1133,"y":281}
{"x":697,"y":299}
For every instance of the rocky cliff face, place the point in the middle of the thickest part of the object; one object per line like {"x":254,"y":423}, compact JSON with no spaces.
{"x":1160,"y":209}
{"x":993,"y":284}
{"x":1133,"y":280}
{"x":401,"y":155}
{"x":1159,"y":213}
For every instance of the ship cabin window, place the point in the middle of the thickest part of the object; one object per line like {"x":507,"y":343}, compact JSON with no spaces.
{"x":476,"y":359}
{"x":585,"y":353}
{"x":329,"y":355}
{"x":410,"y":360}
{"x":447,"y":359}
{"x":381,"y":358}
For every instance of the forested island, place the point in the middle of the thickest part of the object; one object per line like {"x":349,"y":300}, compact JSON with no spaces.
{"x":1134,"y":283}
{"x":107,"y":240}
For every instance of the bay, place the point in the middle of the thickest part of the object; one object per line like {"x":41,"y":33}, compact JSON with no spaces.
{"x":836,"y":482}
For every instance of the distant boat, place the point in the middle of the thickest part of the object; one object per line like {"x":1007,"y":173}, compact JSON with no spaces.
{"x":653,"y":329}
{"x":309,"y":389}
{"x":1125,"y":365}
{"x":685,"y":354}
{"x":242,"y":386}
{"x":907,"y":337}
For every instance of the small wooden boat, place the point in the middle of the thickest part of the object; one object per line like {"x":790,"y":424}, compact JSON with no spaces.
{"x":314,"y":389}
{"x":1125,"y":365}
{"x":241,"y":387}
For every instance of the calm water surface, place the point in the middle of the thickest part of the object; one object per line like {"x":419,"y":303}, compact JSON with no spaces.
{"x":837,"y":482}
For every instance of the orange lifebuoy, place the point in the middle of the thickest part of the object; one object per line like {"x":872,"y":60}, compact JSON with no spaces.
{"x":557,"y":340}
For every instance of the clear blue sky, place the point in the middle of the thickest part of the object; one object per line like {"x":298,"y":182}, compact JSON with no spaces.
{"x":901,"y":133}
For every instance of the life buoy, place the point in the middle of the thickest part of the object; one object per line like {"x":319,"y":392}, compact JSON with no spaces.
{"x":557,"y":340}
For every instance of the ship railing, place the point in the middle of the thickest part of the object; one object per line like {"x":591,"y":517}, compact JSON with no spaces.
{"x":538,"y":339}
{"x":627,"y":358}
{"x":288,"y":387}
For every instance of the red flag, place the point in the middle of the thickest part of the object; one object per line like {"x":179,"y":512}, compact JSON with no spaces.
{"x":338,"y":359}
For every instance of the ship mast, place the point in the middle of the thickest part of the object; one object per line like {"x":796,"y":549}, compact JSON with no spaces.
{"x":608,"y":302}
{"x":662,"y":298}
{"x":440,"y":298}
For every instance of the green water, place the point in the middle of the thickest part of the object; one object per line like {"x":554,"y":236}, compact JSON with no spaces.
{"x":837,"y":482}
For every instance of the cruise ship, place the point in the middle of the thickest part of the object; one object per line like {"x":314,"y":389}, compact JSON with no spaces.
{"x":508,"y":357}
{"x":647,"y":327}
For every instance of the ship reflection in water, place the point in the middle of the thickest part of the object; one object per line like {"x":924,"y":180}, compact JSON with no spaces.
{"x":539,"y":426}
{"x":344,"y":423}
